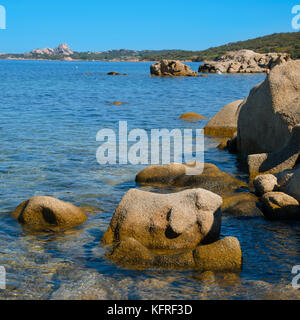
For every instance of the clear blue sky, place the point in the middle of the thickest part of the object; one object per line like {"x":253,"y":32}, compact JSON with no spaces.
{"x":99,"y":25}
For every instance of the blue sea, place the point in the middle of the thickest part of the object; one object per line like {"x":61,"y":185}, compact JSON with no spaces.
{"x":50,"y":113}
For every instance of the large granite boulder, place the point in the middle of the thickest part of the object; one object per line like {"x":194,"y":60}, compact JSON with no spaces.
{"x":48,"y":214}
{"x":172,"y":68}
{"x":175,"y":175}
{"x":267,"y":118}
{"x":171,"y":231}
{"x":224,"y":123}
{"x":244,"y":61}
{"x":166,"y":221}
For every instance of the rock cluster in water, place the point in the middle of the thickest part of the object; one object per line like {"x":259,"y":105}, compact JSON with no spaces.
{"x":244,"y":61}
{"x":267,"y":134}
{"x":172,"y":68}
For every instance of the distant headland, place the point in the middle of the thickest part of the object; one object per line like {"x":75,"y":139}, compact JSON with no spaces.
{"x":278,"y":42}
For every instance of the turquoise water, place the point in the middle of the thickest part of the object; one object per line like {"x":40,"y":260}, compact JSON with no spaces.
{"x":50,"y":113}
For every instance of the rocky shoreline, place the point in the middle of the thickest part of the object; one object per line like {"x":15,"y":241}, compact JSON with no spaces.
{"x":181,"y":229}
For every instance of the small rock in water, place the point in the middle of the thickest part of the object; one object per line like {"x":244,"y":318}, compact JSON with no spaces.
{"x":116,"y":103}
{"x":48,"y":214}
{"x":174,"y":175}
{"x":265,"y":183}
{"x":192,"y":116}
{"x":172,"y":68}
{"x":116,"y":74}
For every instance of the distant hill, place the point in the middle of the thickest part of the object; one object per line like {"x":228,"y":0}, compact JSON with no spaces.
{"x":277,"y":42}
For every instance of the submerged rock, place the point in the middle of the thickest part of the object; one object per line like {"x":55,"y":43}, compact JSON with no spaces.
{"x":242,"y":204}
{"x":172,"y":68}
{"x":192,"y":116}
{"x":166,"y":221}
{"x":174,"y":175}
{"x":116,"y":103}
{"x":116,"y":74}
{"x":244,"y":61}
{"x":224,"y":123}
{"x":271,"y":111}
{"x":280,"y":206}
{"x":48,"y":214}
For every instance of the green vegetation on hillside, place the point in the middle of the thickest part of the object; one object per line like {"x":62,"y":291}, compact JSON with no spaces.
{"x":277,"y":42}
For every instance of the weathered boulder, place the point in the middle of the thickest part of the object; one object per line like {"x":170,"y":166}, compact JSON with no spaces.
{"x":284,"y":159}
{"x":166,"y":221}
{"x":242,"y":204}
{"x":48,"y":214}
{"x":174,"y":175}
{"x":271,"y":111}
{"x":192,"y":116}
{"x":280,"y":206}
{"x":244,"y":61}
{"x":292,"y":186}
{"x":223,"y":255}
{"x":265,"y":183}
{"x":224,"y":123}
{"x":172,"y":68}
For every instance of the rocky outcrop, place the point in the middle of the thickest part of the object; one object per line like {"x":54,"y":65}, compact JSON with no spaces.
{"x":46,"y":51}
{"x":191,"y":116}
{"x":284,"y":159}
{"x":61,"y":50}
{"x":271,"y":111}
{"x":280,"y":206}
{"x":171,"y":231}
{"x":48,"y":214}
{"x":166,"y":221}
{"x":244,"y":61}
{"x":175,"y":175}
{"x":224,"y":123}
{"x":172,"y":68}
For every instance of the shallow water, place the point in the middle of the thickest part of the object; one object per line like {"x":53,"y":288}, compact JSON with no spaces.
{"x":50,"y":113}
